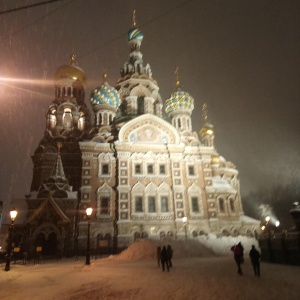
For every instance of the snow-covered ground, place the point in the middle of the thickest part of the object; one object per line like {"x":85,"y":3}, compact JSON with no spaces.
{"x":204,"y":270}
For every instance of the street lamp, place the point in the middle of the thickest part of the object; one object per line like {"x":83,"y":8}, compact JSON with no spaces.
{"x":13,"y":214}
{"x":184,"y":220}
{"x":89,"y":211}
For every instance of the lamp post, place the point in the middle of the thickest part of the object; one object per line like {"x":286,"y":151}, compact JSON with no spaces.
{"x":13,"y":214}
{"x":184,"y":220}
{"x":89,"y":211}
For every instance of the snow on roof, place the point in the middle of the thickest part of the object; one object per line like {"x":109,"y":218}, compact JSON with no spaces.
{"x":222,"y":185}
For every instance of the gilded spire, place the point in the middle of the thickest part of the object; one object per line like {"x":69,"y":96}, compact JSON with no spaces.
{"x":133,"y":19}
{"x":204,"y":113}
{"x":73,"y":56}
{"x":177,"y":81}
{"x":104,"y":76}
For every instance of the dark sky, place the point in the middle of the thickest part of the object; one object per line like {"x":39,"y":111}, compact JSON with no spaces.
{"x":241,"y":57}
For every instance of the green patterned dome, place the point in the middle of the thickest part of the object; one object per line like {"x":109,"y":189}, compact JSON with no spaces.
{"x":179,"y":100}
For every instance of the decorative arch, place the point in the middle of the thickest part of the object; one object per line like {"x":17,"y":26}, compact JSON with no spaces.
{"x":104,"y":200}
{"x":149,"y":128}
{"x":137,"y":199}
{"x":139,"y":91}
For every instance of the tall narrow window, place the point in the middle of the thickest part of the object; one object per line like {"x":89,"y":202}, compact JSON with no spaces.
{"x":151,"y":204}
{"x":138,"y":204}
{"x":162,"y":169}
{"x":150,"y":169}
{"x":105,"y":169}
{"x":179,"y":123}
{"x":140,"y":104}
{"x":231,"y":201}
{"x":191,"y":170}
{"x":138,"y":169}
{"x":195,"y":206}
{"x":104,"y":202}
{"x":221,"y":205}
{"x":164,"y":204}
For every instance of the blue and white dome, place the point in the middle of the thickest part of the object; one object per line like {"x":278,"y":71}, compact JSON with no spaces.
{"x":105,"y":95}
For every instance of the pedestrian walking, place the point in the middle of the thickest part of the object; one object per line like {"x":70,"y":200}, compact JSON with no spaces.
{"x":170,"y":255}
{"x":164,"y":258}
{"x":158,"y":255}
{"x":255,"y":260}
{"x":238,"y":251}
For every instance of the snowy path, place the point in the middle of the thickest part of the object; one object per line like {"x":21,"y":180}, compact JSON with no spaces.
{"x":191,"y":278}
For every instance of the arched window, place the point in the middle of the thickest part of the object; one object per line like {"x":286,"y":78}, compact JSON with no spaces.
{"x":164,"y":204}
{"x":140,"y":105}
{"x":231,"y":204}
{"x":179,"y":123}
{"x":67,"y":118}
{"x":81,"y":122}
{"x":221,"y":205}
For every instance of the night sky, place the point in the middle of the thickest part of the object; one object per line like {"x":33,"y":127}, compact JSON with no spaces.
{"x":241,"y":57}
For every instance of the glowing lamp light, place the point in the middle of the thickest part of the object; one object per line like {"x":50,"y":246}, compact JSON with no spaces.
{"x":89,"y":211}
{"x":184,"y":219}
{"x":277,"y":223}
{"x":209,"y":131}
{"x":268,"y":218}
{"x":263,"y":227}
{"x":13,"y":214}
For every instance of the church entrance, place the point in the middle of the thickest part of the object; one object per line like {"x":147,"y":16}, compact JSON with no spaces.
{"x":50,"y":244}
{"x":46,"y":245}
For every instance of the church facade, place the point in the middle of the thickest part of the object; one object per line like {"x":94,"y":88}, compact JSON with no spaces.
{"x":138,"y":164}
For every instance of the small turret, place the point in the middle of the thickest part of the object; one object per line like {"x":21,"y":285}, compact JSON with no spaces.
{"x":207,"y":132}
{"x":179,"y":107}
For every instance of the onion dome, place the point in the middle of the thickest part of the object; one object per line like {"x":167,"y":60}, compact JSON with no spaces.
{"x":134,"y":36}
{"x":179,"y":100}
{"x":105,"y":95}
{"x":207,"y":128}
{"x":70,"y":71}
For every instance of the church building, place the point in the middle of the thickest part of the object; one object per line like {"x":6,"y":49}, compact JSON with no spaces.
{"x":135,"y":160}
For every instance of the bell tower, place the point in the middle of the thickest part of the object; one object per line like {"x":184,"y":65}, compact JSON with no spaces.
{"x":67,"y":122}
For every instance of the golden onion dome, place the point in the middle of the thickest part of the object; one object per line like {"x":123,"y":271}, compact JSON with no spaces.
{"x":215,"y":159}
{"x":207,"y":129}
{"x":71,"y":71}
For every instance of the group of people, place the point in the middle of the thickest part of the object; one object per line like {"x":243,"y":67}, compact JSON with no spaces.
{"x":238,"y":251}
{"x":164,"y":257}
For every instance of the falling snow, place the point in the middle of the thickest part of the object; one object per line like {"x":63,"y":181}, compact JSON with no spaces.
{"x":241,"y":58}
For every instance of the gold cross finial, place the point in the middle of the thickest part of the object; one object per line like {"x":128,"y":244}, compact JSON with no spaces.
{"x":104,"y":76}
{"x":73,"y":56}
{"x":177,"y":81}
{"x":204,"y":113}
{"x":133,"y":19}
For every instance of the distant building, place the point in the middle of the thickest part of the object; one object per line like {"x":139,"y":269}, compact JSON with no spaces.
{"x":139,"y":165}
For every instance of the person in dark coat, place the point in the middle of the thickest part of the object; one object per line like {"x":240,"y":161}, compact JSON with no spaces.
{"x":170,"y":255}
{"x":158,"y":255}
{"x":238,"y":251}
{"x":164,"y":258}
{"x":255,"y":260}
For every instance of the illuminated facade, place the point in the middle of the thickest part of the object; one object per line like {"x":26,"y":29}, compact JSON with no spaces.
{"x":139,"y":165}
